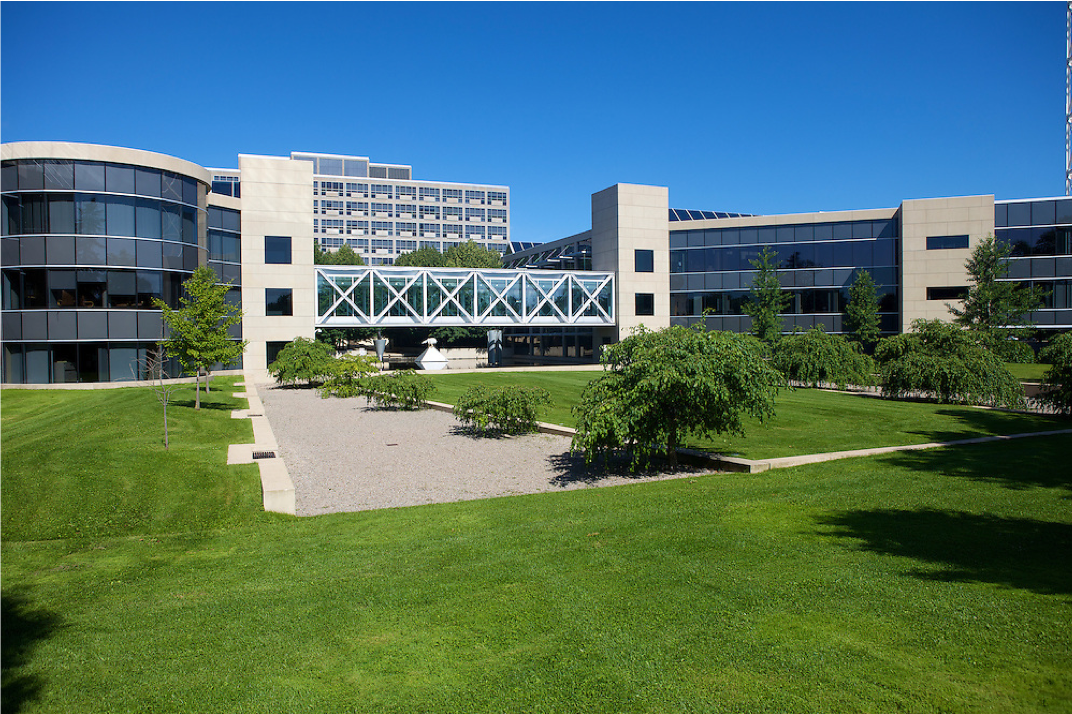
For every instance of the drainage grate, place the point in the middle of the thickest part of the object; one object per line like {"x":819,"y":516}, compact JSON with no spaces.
{"x":263,"y":454}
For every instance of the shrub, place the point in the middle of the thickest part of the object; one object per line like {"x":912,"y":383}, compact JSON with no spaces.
{"x":948,"y":362}
{"x":346,"y":375}
{"x":658,"y":387}
{"x":1009,"y":349}
{"x":510,"y":409}
{"x":1056,"y":389}
{"x":303,"y":360}
{"x":405,"y":389}
{"x":815,"y":357}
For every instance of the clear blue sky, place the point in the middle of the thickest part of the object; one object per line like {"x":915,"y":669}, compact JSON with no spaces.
{"x":760,"y":108}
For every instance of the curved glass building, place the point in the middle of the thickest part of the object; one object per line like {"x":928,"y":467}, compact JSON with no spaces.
{"x":91,"y":235}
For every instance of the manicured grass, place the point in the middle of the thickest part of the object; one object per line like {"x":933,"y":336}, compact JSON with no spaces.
{"x":92,"y":463}
{"x":1027,"y":372}
{"x":807,"y":421}
{"x":918,"y":582}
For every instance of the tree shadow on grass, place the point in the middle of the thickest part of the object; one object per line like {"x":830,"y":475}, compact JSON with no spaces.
{"x":1031,"y":462}
{"x":23,"y":628}
{"x":973,"y":422}
{"x":966,"y":547}
{"x":571,"y":468}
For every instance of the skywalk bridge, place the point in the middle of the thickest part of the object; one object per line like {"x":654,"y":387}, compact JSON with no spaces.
{"x":360,"y":296}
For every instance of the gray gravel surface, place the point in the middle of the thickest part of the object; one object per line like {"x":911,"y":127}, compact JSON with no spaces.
{"x":344,"y":456}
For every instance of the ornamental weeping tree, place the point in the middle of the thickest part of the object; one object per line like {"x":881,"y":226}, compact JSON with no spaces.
{"x":198,"y":331}
{"x":861,"y":314}
{"x":660,"y":387}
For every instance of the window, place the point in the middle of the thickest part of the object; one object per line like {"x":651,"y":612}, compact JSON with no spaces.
{"x":406,"y":193}
{"x":497,"y":198}
{"x":497,"y":215}
{"x":274,"y":348}
{"x":429,"y":194}
{"x":946,"y":242}
{"x":474,"y":197}
{"x":947,"y":293}
{"x":278,"y":302}
{"x":452,"y":195}
{"x":474,"y":214}
{"x":277,"y":250}
{"x":644,"y":261}
{"x":645,"y":304}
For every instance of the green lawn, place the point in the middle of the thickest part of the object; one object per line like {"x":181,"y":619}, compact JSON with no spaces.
{"x":917,"y":582}
{"x":1027,"y":372}
{"x":807,"y":421}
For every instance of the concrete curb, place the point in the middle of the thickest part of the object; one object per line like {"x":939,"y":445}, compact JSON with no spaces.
{"x":277,"y":488}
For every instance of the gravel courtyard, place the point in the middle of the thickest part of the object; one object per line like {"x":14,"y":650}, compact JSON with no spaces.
{"x":344,"y":456}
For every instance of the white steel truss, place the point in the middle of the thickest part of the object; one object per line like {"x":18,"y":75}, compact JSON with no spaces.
{"x":353,"y":296}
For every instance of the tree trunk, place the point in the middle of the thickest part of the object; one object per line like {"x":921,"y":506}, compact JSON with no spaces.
{"x":208,"y":378}
{"x":197,"y":391}
{"x":165,"y":428}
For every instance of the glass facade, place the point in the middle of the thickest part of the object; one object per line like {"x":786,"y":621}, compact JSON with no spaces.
{"x":87,"y":247}
{"x":1040,"y":234}
{"x":711,"y":271}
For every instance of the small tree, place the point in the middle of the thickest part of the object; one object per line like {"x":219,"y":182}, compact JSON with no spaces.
{"x":995,"y":307}
{"x":303,"y":359}
{"x":198,"y":331}
{"x":949,"y":362}
{"x":510,"y":408}
{"x":1056,"y":388}
{"x":861,"y":314}
{"x":767,"y":299}
{"x":659,"y":387}
{"x":346,"y":375}
{"x":815,"y":357}
{"x":152,"y":367}
{"x":343,"y":256}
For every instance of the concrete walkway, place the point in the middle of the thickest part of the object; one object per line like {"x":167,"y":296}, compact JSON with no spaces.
{"x":277,"y":489}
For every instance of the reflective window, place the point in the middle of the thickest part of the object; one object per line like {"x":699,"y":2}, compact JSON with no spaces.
{"x":1043,"y":213}
{"x":148,"y":219}
{"x":89,"y":215}
{"x":119,"y":179}
{"x":59,"y":250}
{"x":149,"y":254}
{"x":31,"y":175}
{"x":90,"y":251}
{"x":171,"y":222}
{"x":147,"y":182}
{"x":278,"y":302}
{"x":947,"y":293}
{"x":61,"y":213}
{"x":120,"y":216}
{"x":277,"y":250}
{"x":946,"y":242}
{"x":59,"y":175}
{"x":171,"y":186}
{"x":63,"y":288}
{"x":122,"y":289}
{"x":88,"y":176}
{"x":1019,"y":214}
{"x":121,"y":251}
{"x":645,"y":304}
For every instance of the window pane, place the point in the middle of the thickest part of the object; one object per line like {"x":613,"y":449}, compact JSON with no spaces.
{"x":645,"y":304}
{"x":1019,"y":214}
{"x":172,"y":222}
{"x":1043,"y":213}
{"x":172,"y":255}
{"x":147,"y":182}
{"x":61,"y":213}
{"x":148,"y":219}
{"x":59,"y":250}
{"x":88,"y":177}
{"x":149,"y":254}
{"x":90,"y":251}
{"x":122,"y":288}
{"x":277,"y":250}
{"x":59,"y":175}
{"x":31,"y":175}
{"x":278,"y":302}
{"x":120,"y":216}
{"x":89,"y":215}
{"x":121,"y":251}
{"x":119,"y":179}
{"x":189,"y":226}
{"x":63,"y":288}
{"x":644,"y":261}
{"x":171,"y":186}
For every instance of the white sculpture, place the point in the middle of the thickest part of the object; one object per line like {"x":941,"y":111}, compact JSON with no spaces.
{"x":431,"y":358}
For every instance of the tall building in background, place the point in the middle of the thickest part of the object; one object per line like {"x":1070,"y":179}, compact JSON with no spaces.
{"x":381,"y":211}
